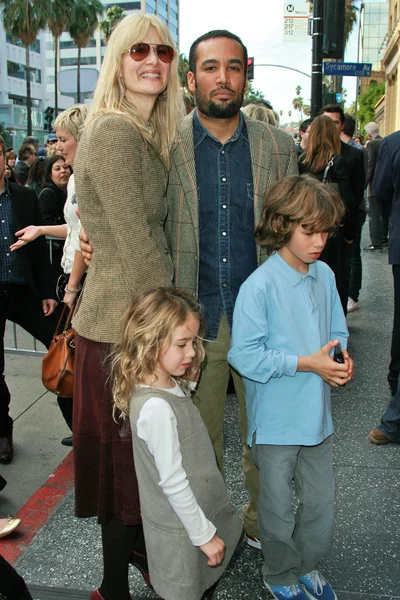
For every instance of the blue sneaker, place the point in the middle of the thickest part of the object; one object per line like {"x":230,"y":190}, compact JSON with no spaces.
{"x":286,"y":592}
{"x":317,"y":587}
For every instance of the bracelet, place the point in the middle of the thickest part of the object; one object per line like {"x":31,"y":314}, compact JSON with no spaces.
{"x":73,"y":291}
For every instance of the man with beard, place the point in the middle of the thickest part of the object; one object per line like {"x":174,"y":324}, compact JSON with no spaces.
{"x":221,"y":166}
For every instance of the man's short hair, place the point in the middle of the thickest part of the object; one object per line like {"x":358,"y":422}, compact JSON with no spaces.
{"x":3,"y":145}
{"x":349,"y":126}
{"x":211,"y":35}
{"x":305,"y":125}
{"x":25,"y":151}
{"x":372,"y":129}
{"x":332,"y":108}
{"x":32,"y":140}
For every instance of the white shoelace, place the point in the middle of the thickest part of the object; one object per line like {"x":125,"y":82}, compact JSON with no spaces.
{"x":318,"y":582}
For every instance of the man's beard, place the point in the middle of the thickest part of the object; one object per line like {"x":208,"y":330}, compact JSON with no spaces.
{"x":218,"y":110}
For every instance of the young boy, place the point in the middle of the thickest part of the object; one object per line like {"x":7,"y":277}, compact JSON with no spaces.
{"x":287,"y":320}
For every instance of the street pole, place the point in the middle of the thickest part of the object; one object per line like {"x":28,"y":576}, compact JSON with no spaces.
{"x":316,"y":71}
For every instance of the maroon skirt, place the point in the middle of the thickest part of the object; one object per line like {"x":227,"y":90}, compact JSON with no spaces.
{"x":105,"y":478}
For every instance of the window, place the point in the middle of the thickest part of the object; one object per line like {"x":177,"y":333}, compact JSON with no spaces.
{"x":35,"y":47}
{"x":73,"y":62}
{"x":19,"y":71}
{"x":65,"y":45}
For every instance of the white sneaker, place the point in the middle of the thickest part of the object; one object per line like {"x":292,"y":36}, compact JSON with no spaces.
{"x":253,"y":542}
{"x":352,"y":305}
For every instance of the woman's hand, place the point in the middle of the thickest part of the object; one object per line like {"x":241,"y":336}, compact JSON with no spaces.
{"x":214,"y":550}
{"x":26,"y":235}
{"x":70,"y":299}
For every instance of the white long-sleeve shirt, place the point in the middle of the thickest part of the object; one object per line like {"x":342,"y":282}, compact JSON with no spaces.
{"x":157,"y":427}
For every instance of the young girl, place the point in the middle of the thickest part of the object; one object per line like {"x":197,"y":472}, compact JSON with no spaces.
{"x":287,"y":320}
{"x":183,"y":498}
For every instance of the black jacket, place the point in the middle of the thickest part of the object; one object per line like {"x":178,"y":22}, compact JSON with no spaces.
{"x":51,"y":202}
{"x":38,"y":271}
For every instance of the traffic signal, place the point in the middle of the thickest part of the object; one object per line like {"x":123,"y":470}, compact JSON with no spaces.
{"x":48,"y":118}
{"x":250,"y":68}
{"x":333,"y":29}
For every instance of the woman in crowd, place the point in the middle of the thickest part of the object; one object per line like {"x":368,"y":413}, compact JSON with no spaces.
{"x":52,"y":200}
{"x":262,"y":113}
{"x":9,"y":174}
{"x":68,"y":125}
{"x":54,"y":191}
{"x":11,"y":157}
{"x":132,"y":123}
{"x":322,"y":159}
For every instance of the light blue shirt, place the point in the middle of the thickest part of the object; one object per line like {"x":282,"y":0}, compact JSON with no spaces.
{"x":281,"y":314}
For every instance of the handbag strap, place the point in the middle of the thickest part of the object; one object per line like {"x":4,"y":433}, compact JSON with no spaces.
{"x":61,"y":320}
{"x":328,"y":166}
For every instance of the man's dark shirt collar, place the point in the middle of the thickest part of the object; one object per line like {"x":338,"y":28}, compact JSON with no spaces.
{"x":200,"y":132}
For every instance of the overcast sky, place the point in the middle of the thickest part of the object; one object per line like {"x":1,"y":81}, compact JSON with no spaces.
{"x":260,"y":25}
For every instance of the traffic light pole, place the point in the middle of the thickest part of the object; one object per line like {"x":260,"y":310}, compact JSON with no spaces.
{"x":316,"y":71}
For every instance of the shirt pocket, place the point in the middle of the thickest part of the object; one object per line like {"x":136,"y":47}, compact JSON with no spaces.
{"x":249,"y":212}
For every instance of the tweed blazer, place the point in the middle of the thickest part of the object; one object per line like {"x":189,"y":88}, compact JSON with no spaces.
{"x":273,"y":156}
{"x":121,"y":192}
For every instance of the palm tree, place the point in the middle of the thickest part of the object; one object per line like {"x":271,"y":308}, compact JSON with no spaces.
{"x":114,"y":15}
{"x":83,"y":24}
{"x":23,"y":19}
{"x":59,"y":15}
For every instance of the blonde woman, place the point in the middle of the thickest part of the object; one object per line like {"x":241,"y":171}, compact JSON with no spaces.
{"x":121,"y":171}
{"x":261,"y":112}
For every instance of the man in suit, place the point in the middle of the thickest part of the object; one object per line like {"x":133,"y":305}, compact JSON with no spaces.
{"x":27,"y":284}
{"x":387,"y":189}
{"x":222,"y":164}
{"x":379,"y":213}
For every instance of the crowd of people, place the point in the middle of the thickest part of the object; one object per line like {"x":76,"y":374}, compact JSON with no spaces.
{"x":210,"y":248}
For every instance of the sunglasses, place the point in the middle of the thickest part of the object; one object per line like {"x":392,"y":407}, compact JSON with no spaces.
{"x":141,"y":51}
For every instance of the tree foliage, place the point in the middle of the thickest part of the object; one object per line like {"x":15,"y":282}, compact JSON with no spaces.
{"x":366,"y":103}
{"x":251,"y":95}
{"x":84,"y":20}
{"x":23,"y":19}
{"x":114,"y":15}
{"x":5,"y":133}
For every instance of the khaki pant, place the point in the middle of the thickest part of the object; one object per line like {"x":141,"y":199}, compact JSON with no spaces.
{"x":210,"y":400}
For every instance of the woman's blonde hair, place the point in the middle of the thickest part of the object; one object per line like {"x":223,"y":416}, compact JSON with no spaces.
{"x":148,"y":327}
{"x":293,"y":201}
{"x":323,"y":143}
{"x":72,"y":120}
{"x":261,"y":113}
{"x":109,"y":95}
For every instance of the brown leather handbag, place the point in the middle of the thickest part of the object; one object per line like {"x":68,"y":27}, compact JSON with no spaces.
{"x":58,"y":365}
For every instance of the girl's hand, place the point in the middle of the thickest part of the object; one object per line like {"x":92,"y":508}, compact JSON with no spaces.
{"x":69,"y":299}
{"x":25,"y":235}
{"x":214,"y":550}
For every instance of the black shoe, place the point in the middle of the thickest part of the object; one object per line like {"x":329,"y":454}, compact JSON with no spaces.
{"x":67,"y":441}
{"x":6,"y":450}
{"x":372,"y":247}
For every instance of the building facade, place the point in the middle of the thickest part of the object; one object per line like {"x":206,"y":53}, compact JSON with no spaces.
{"x":372,"y":32}
{"x":390,"y":62}
{"x":13,"y":113}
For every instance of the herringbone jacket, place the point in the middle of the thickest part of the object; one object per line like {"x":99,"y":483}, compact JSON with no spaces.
{"x":273,"y":156}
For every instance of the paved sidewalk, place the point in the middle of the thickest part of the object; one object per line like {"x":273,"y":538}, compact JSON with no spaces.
{"x":64,"y":558}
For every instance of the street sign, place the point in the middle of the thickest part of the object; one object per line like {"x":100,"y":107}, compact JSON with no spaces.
{"x":295,"y":21}
{"x":347,"y":69}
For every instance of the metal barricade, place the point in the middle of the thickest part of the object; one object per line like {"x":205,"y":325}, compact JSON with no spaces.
{"x":14,"y":332}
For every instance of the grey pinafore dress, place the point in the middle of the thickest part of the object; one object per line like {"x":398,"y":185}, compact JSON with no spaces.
{"x":179,"y":570}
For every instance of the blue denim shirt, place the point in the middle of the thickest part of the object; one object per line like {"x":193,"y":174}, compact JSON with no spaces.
{"x":11,"y":268}
{"x":226,"y":213}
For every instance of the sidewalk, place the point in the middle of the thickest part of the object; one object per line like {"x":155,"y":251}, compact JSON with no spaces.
{"x":63,"y":560}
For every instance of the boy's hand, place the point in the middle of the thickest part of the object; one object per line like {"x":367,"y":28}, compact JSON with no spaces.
{"x":214,"y":550}
{"x":323,"y":365}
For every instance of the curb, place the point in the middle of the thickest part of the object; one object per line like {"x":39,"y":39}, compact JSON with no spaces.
{"x":38,"y":509}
